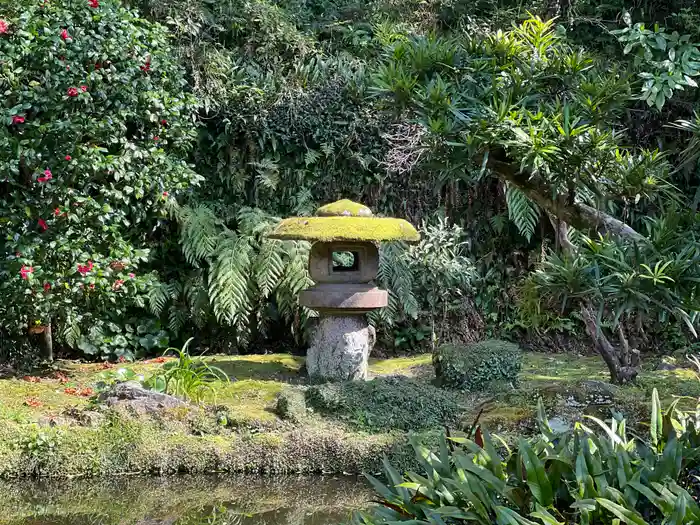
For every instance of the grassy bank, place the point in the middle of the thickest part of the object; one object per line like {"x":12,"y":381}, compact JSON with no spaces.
{"x":47,"y":428}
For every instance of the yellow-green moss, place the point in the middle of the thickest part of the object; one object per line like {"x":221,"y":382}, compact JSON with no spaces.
{"x":399,"y":365}
{"x":328,"y":229}
{"x":344,"y":208}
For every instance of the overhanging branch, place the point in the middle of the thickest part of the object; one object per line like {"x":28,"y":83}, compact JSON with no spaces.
{"x":580,"y":216}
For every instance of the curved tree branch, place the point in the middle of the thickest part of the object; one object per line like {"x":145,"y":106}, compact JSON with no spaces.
{"x":578,"y":215}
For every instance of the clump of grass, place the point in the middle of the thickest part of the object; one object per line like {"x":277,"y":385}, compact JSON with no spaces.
{"x":188,"y":377}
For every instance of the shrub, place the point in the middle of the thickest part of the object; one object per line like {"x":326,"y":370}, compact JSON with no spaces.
{"x":477,"y":366}
{"x":291,"y":405}
{"x":94,"y":126}
{"x":385,"y":403}
{"x":593,"y":476}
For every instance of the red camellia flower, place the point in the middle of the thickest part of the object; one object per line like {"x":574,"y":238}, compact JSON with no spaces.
{"x":165,"y":194}
{"x":3,"y":27}
{"x":47,"y":287}
{"x":57,"y":212}
{"x":92,"y":286}
{"x":43,"y":225}
{"x":98,"y":65}
{"x":72,"y":92}
{"x":18,"y":119}
{"x":146,"y":67}
{"x":69,"y":158}
{"x":164,"y":122}
{"x":64,"y":34}
{"x":94,"y":4}
{"x":47,"y":176}
{"x":156,"y":138}
{"x":26,"y":271}
{"x":83,"y":88}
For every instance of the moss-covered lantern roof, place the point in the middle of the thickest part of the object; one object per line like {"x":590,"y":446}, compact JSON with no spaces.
{"x":345,"y":220}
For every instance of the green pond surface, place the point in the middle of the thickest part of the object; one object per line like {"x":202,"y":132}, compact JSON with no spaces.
{"x":183,"y":500}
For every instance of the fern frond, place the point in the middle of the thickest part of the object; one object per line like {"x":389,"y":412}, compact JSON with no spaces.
{"x":311,"y":157}
{"x":71,"y":332}
{"x":199,"y":233}
{"x":268,"y":267}
{"x":395,"y":275}
{"x":228,"y":279}
{"x":157,"y":298}
{"x":177,"y":317}
{"x":522,"y":211}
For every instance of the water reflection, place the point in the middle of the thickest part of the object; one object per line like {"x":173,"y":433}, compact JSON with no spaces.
{"x":184,"y":500}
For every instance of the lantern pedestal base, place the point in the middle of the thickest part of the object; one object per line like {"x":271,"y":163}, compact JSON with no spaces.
{"x":340,"y":348}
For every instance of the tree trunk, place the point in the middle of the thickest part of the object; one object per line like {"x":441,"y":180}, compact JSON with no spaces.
{"x":622,"y":363}
{"x":48,"y":343}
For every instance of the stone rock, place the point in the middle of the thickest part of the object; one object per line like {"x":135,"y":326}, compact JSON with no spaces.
{"x":667,"y":363}
{"x":340,"y":348}
{"x":131,"y":394}
{"x":559,"y":425}
{"x":6,"y":371}
{"x":53,"y":421}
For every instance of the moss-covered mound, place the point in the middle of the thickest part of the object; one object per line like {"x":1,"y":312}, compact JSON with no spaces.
{"x":386,"y":403}
{"x":344,"y":208}
{"x":486,"y":365}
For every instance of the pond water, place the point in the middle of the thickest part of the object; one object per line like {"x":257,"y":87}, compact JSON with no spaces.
{"x":183,"y":500}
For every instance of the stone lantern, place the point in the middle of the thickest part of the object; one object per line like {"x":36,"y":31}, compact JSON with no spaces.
{"x":343,"y":263}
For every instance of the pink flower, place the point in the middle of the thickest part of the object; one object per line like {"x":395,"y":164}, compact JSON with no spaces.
{"x":92,"y":286}
{"x":156,"y":138}
{"x":69,"y":158}
{"x":3,"y":27}
{"x":26,"y":271}
{"x":118,"y":284}
{"x":72,"y":92}
{"x":18,"y":119}
{"x":43,"y":225}
{"x":85,"y":269}
{"x":57,"y":212}
{"x":64,"y":34}
{"x":47,"y":176}
{"x":83,"y":88}
{"x":132,"y":275}
{"x":165,"y":194}
{"x":94,"y":4}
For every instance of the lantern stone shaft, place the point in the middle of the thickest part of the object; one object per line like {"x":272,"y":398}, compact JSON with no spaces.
{"x":343,"y":263}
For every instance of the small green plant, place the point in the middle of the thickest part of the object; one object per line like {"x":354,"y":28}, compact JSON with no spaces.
{"x":590,"y":475}
{"x":189,"y":377}
{"x":478,"y":365}
{"x":109,"y":377}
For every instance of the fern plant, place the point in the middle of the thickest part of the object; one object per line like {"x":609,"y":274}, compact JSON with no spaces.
{"x":239,"y":278}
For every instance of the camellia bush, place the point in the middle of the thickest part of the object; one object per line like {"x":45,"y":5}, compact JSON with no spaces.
{"x":95,"y":121}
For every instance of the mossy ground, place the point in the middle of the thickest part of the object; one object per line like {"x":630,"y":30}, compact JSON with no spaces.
{"x":40,"y":434}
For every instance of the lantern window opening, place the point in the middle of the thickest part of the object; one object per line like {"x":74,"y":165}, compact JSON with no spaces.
{"x":345,"y":261}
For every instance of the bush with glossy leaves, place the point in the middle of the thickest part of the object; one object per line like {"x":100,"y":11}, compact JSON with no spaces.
{"x":94,"y":124}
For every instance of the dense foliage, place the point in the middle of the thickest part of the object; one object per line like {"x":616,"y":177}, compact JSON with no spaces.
{"x":514,"y":139}
{"x":96,"y":126}
{"x":486,"y":365}
{"x":593,"y":474}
